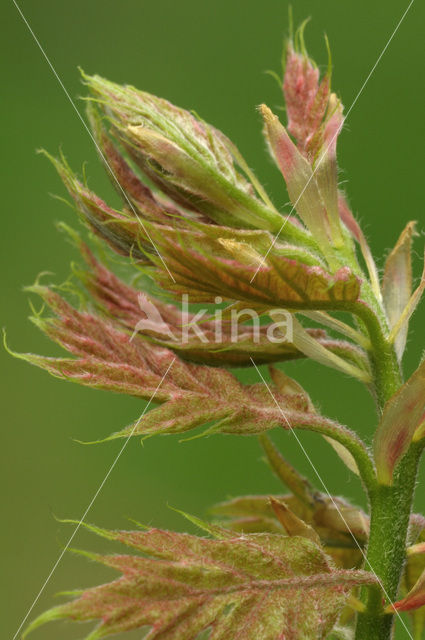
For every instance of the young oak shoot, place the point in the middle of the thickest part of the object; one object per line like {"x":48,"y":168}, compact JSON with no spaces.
{"x":196,"y":222}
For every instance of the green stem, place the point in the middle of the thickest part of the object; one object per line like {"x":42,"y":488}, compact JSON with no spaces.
{"x":390,"y":513}
{"x":390,"y":506}
{"x":385,"y":367}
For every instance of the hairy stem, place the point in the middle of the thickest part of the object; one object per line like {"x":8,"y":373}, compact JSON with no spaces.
{"x":390,"y":512}
{"x":390,"y":506}
{"x":385,"y":367}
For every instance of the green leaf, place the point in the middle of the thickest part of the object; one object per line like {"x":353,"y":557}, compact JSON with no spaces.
{"x":292,"y":524}
{"x":188,"y":159}
{"x":251,"y":586}
{"x":342,"y":528}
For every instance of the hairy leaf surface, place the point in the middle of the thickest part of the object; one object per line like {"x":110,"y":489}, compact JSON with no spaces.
{"x":219,"y":340}
{"x":193,"y":395}
{"x":341,"y":527}
{"x":206,"y":270}
{"x":241,"y":587}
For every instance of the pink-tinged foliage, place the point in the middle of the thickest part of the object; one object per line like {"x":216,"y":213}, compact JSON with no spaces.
{"x":415,"y":598}
{"x":413,"y":585}
{"x":301,"y":183}
{"x":315,"y":120}
{"x":397,"y":283}
{"x":129,"y":186}
{"x":196,"y":221}
{"x":348,"y":218}
{"x":326,"y":169}
{"x":354,"y":228}
{"x":107,"y":358}
{"x":306,"y":98}
{"x":216,"y":346}
{"x":402,"y":415}
{"x":240,"y":587}
{"x":206,"y":269}
{"x":207,"y":260}
{"x":217,"y":396}
{"x":120,"y":229}
{"x":135,"y":231}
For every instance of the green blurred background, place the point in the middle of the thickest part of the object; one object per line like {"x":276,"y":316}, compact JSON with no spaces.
{"x":211,"y":57}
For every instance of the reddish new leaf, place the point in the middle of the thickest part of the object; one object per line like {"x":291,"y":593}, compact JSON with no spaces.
{"x":415,"y":598}
{"x":306,"y":98}
{"x":397,"y":283}
{"x":242,"y":587}
{"x":413,"y":577}
{"x":206,"y":269}
{"x":402,"y":414}
{"x":222,"y":340}
{"x":193,"y":395}
{"x":300,"y":180}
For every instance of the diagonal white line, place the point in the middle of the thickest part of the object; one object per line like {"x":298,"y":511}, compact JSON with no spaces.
{"x":91,"y":136}
{"x":319,"y":162}
{"x":328,"y":493}
{"x":83,"y":517}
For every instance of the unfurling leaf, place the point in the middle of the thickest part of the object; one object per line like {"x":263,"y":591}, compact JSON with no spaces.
{"x":216,"y":395}
{"x":206,"y":260}
{"x":300,"y":180}
{"x":215,"y":341}
{"x":259,"y":585}
{"x":106,"y":358}
{"x":306,"y":98}
{"x":408,"y":310}
{"x":120,"y":229}
{"x":397,"y":283}
{"x":315,"y":120}
{"x":142,"y":200}
{"x":402,"y":415}
{"x":205,"y":269}
{"x":341,"y":528}
{"x":292,"y":524}
{"x":189,"y":160}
